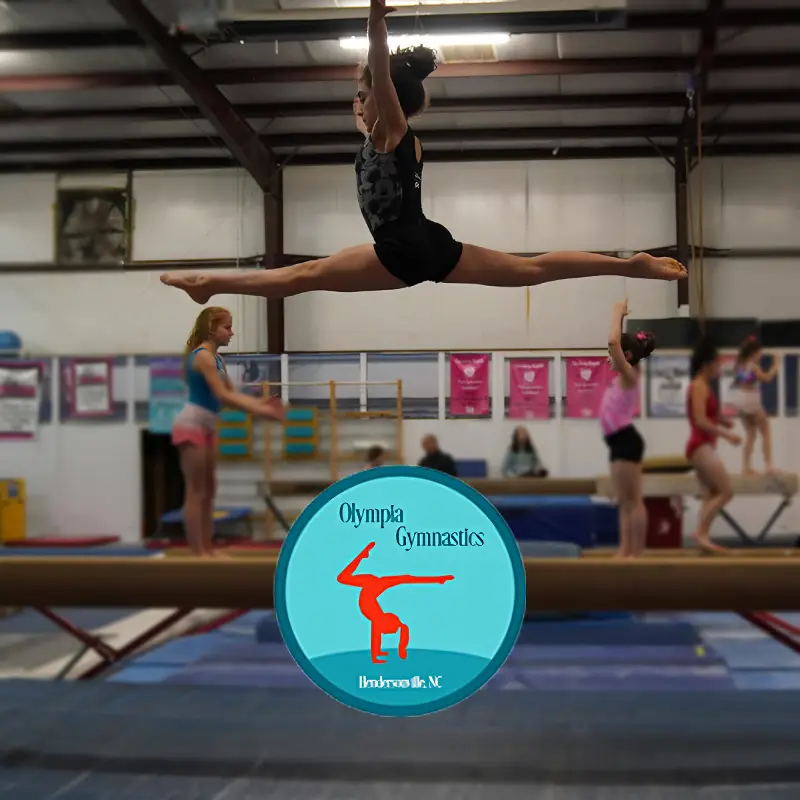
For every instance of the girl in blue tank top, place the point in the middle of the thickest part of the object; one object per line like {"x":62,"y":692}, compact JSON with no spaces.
{"x":194,"y":431}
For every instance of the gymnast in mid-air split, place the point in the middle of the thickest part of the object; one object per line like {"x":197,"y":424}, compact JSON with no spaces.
{"x":408,"y":248}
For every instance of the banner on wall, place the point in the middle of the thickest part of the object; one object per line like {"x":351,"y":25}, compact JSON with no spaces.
{"x":167,"y":393}
{"x":668,"y":383}
{"x":469,"y":384}
{"x":89,"y":384}
{"x":586,"y":381}
{"x":20,"y":395}
{"x":529,"y":388}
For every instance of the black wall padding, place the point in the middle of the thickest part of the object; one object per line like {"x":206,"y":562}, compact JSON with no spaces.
{"x":780,"y":333}
{"x":684,"y":332}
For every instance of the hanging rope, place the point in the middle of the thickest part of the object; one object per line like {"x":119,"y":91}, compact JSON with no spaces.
{"x":696,"y":241}
{"x":701,"y":304}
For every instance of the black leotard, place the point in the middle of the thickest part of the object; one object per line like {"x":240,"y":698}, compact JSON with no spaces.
{"x":412,"y":248}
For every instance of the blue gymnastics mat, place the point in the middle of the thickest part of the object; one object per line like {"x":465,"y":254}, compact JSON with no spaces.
{"x":112,"y":551}
{"x":221,"y":514}
{"x":93,"y":740}
{"x":616,"y":655}
{"x":550,"y":517}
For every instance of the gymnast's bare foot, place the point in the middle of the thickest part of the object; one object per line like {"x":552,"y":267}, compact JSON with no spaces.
{"x":705,"y":544}
{"x":194,"y":285}
{"x":662,"y":269}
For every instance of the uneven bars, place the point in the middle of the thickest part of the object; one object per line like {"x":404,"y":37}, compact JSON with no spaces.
{"x":567,"y":585}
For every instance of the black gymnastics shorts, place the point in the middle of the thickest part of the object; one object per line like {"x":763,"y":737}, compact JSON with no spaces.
{"x":422,"y":251}
{"x":626,"y":444}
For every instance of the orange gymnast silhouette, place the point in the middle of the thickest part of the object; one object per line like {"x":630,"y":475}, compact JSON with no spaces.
{"x":371,"y":588}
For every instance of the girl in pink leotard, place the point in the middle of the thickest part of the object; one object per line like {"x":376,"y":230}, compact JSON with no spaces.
{"x":625,"y":443}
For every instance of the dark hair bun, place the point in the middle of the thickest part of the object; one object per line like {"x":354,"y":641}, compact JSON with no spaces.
{"x":648,"y":343}
{"x":418,"y":62}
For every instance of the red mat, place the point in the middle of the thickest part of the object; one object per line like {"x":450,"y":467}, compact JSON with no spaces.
{"x":65,"y":541}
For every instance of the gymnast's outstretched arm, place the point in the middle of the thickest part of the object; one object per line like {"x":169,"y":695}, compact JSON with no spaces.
{"x":615,"y":351}
{"x":392,"y":123}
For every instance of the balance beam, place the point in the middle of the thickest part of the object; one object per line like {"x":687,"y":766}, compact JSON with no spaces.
{"x":783,"y":484}
{"x":560,"y":486}
{"x":566,"y":585}
{"x":696,"y":552}
{"x":663,"y":485}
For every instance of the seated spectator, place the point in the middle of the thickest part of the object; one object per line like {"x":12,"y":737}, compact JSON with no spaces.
{"x":522,"y":460}
{"x":434,"y":458}
{"x":376,"y":457}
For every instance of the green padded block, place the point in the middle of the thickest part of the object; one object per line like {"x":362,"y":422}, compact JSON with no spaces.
{"x":229,"y":415}
{"x":230,"y":434}
{"x":299,"y":432}
{"x":231,"y":449}
{"x":300,"y":448}
{"x":300,"y":414}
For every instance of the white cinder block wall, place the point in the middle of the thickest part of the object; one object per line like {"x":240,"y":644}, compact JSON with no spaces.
{"x":85,"y":478}
{"x":518,"y":207}
{"x":177,"y":215}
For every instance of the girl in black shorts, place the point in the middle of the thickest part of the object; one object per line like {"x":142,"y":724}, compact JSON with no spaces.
{"x":625,"y":443}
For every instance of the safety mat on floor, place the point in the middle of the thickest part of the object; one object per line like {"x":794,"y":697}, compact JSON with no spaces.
{"x":680,"y":739}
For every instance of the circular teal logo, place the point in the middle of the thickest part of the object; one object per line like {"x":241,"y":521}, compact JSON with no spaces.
{"x":400,"y":591}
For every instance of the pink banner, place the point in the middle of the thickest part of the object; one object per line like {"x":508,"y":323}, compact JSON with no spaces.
{"x":529,"y":382}
{"x":469,"y":384}
{"x":587,"y":378}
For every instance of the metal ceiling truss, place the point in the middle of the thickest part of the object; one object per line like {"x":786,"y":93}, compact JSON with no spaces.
{"x":285,"y":26}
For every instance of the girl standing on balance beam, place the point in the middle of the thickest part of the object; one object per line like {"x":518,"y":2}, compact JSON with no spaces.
{"x":706,"y":426}
{"x":748,"y":378}
{"x":625,"y":444}
{"x":194,"y":431}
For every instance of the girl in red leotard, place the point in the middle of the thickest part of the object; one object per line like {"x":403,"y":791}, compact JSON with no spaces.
{"x":702,"y":408}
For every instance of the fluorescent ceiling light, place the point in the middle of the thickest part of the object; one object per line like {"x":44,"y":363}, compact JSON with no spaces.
{"x":445,"y":40}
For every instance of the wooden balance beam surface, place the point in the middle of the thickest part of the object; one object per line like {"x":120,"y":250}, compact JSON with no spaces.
{"x":694,"y":552}
{"x":486,"y":486}
{"x":566,"y":585}
{"x":654,"y":485}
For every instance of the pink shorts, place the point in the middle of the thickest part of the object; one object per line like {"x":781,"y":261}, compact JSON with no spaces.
{"x":196,"y":426}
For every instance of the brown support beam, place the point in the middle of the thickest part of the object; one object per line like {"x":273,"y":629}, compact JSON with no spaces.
{"x":331,"y":108}
{"x":433,"y":136}
{"x":454,"y":155}
{"x":349,"y":22}
{"x":10,"y":84}
{"x":459,"y":156}
{"x":274,"y":258}
{"x":238,"y":136}
{"x":691,"y":130}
